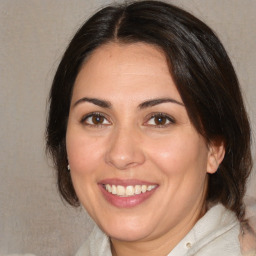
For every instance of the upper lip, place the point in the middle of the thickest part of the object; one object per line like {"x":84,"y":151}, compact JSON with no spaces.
{"x":125,"y":182}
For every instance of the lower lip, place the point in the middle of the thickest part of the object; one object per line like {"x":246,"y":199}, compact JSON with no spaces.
{"x":126,"y":202}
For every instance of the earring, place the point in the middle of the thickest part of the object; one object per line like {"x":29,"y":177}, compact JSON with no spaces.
{"x":68,"y":167}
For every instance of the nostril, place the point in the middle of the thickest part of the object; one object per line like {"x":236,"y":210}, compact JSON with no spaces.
{"x":123,"y":160}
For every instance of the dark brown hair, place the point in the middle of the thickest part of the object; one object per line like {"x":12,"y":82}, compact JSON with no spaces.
{"x":201,"y":69}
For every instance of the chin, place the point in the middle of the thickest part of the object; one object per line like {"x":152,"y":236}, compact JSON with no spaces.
{"x":128,"y":236}
{"x":129,"y":231}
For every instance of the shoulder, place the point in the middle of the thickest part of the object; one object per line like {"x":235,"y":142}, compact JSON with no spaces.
{"x":221,"y":233}
{"x":216,"y":233}
{"x":247,"y":236}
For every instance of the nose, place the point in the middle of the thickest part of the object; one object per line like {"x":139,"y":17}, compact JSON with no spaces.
{"x":125,"y":149}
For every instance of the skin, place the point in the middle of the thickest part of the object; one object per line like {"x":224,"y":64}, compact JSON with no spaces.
{"x":128,"y":143}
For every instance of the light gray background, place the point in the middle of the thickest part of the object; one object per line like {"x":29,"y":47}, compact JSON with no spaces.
{"x":33,"y":36}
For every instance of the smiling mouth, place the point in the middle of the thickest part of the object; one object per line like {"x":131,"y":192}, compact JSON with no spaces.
{"x":128,"y":191}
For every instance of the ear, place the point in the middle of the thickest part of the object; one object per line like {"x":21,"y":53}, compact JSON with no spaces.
{"x":215,"y":155}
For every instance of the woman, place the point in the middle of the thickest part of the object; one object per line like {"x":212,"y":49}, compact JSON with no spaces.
{"x":148,"y":131}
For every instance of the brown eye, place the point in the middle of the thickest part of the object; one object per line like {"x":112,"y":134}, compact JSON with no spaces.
{"x":160,"y":120}
{"x":95,"y":119}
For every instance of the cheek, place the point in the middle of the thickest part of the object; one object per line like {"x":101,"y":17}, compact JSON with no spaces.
{"x":83,"y":152}
{"x":180,"y":155}
{"x":182,"y":162}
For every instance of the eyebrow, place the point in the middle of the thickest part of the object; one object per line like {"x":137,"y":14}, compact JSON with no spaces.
{"x":143,"y":105}
{"x":98,"y":102}
{"x":154,"y":102}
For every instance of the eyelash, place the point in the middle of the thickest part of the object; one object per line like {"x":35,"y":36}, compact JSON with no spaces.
{"x":168,"y":118}
{"x":97,"y":115}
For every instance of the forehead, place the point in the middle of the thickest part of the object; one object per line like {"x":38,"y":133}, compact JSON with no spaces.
{"x":117,"y":68}
{"x":124,"y":55}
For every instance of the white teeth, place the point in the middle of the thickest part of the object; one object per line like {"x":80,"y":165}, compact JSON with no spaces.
{"x":108,"y":188}
{"x":137,"y":190}
{"x":113,"y":188}
{"x":120,"y":190}
{"x":129,"y":190}
{"x":150,"y":187}
{"x":143,"y":188}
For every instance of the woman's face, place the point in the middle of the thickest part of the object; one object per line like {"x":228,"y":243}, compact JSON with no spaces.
{"x":138,"y":165}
